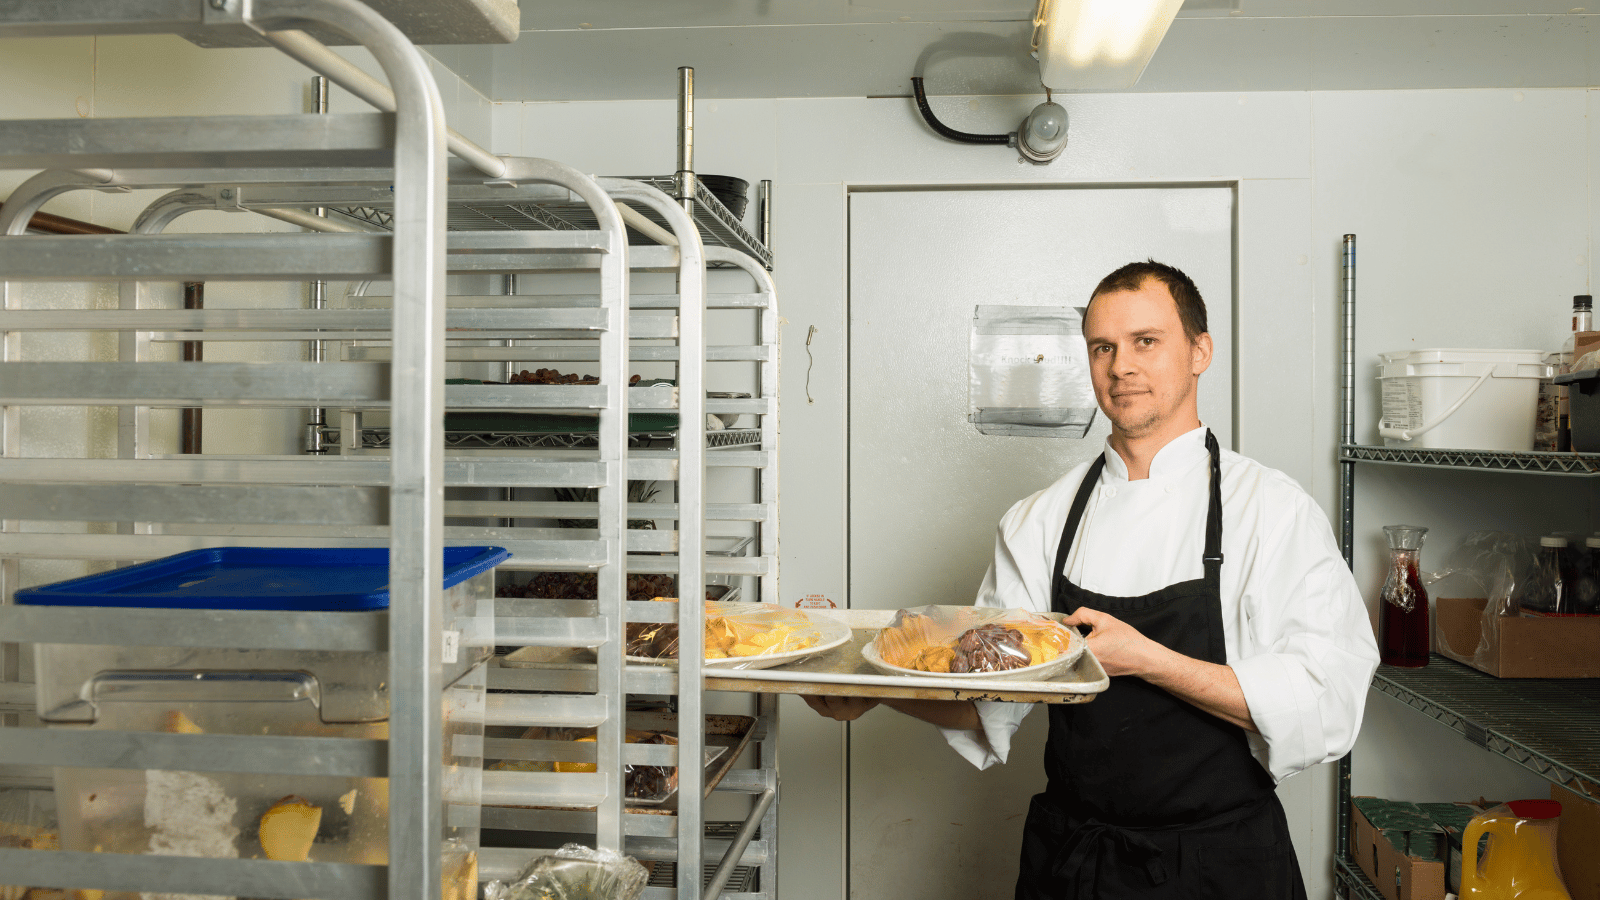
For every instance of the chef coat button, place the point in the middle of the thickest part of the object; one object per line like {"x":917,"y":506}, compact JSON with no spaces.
{"x":1111,"y":492}
{"x":1171,"y":489}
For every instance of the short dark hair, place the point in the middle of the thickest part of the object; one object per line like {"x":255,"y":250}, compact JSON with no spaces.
{"x":1131,"y":277}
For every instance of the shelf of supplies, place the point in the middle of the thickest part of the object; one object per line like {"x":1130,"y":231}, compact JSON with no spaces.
{"x":717,"y":224}
{"x":1549,"y":726}
{"x":1354,"y":882}
{"x":1494,"y":460}
{"x":378,"y":439}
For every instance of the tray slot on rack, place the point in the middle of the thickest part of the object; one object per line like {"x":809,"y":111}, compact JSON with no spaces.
{"x":534,"y":301}
{"x":160,"y":142}
{"x":564,"y":555}
{"x":262,"y":878}
{"x":350,"y":471}
{"x":498,"y":323}
{"x":279,"y":755}
{"x":197,"y":504}
{"x":277,"y":256}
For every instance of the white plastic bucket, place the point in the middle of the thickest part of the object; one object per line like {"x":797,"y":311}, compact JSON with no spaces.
{"x":1460,"y":399}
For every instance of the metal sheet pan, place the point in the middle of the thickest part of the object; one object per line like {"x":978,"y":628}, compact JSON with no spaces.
{"x":843,"y":672}
{"x":728,"y":734}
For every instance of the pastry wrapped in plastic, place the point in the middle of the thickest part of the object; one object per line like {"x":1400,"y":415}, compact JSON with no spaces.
{"x":966,"y":639}
{"x":732,"y":630}
{"x":756,"y":629}
{"x":574,"y":872}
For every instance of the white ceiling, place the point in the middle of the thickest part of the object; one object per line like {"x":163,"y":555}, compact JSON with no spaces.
{"x":630,"y":49}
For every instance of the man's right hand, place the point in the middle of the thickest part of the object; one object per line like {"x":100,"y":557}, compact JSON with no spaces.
{"x":843,"y":709}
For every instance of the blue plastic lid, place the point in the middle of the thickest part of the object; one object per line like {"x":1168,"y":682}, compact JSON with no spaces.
{"x":298,"y":579}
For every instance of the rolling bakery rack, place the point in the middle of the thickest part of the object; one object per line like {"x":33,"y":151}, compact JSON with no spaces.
{"x":1546,"y":726}
{"x":392,"y":165}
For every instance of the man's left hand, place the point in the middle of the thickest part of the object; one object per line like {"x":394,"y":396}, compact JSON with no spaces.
{"x":1121,"y":649}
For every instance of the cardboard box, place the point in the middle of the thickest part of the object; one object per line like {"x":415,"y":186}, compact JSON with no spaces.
{"x":1381,"y":851}
{"x":1562,"y":647}
{"x":1584,"y":342}
{"x":1576,"y":840}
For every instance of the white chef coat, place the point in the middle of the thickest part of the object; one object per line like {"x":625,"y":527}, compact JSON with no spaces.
{"x":1297,"y":632}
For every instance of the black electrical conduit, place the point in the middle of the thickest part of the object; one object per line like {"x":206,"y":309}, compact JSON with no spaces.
{"x":944,"y":130}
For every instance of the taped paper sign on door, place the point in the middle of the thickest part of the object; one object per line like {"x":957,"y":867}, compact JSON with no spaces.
{"x":1030,"y":372}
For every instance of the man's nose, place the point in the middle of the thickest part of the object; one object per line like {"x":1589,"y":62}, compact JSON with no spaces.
{"x":1122,"y":362}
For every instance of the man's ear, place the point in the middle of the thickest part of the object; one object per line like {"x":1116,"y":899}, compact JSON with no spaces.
{"x":1201,"y":348}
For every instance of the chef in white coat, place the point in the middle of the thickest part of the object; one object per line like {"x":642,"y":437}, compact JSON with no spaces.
{"x":1212,"y":592}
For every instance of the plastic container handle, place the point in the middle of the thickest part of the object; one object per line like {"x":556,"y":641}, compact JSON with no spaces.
{"x":1471,"y":866}
{"x":1405,"y":435}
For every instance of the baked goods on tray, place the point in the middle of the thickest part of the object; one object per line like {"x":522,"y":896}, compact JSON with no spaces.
{"x":732,"y":630}
{"x":965,"y":640}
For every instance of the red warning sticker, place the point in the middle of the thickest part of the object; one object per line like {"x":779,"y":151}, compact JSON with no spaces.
{"x":815,"y":601}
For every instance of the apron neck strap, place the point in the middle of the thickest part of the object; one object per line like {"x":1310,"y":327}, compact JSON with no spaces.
{"x":1213,"y":552}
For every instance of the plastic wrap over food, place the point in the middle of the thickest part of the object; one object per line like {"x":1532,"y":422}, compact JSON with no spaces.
{"x":971,"y":639}
{"x":733,"y":630}
{"x":574,"y":872}
{"x":1500,"y":566}
{"x":27,"y":822}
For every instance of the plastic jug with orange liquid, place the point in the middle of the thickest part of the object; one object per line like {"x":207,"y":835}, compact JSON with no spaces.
{"x":1518,"y":861}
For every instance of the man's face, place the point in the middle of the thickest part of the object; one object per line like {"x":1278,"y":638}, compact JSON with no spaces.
{"x":1144,"y":368}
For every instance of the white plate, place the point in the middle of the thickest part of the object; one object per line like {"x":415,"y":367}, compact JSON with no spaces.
{"x":833,"y":634}
{"x":1041,"y":672}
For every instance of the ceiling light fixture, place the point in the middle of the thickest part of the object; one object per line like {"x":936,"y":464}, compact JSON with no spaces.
{"x":1098,"y":44}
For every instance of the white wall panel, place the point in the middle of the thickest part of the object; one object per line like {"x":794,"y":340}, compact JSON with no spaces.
{"x":812,"y":498}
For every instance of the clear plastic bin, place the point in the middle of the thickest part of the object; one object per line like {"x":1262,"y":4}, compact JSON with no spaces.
{"x":256,"y":692}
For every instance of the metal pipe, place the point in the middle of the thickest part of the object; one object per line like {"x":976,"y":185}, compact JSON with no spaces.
{"x":764,"y":214}
{"x":416,"y":456}
{"x":638,"y":222}
{"x":54,"y":224}
{"x":345,"y":74}
{"x":192,"y":432}
{"x":317,"y":351}
{"x":313,"y":221}
{"x":965,"y":137}
{"x":685,"y":175}
{"x":1347,"y":507}
{"x":740,"y":841}
{"x":1347,"y":400}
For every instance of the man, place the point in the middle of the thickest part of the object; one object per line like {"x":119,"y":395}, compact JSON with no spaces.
{"x":1239,"y":647}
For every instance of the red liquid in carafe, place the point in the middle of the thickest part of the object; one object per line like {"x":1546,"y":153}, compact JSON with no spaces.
{"x":1403,"y":635}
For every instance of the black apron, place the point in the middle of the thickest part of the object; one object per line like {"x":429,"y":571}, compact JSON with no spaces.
{"x":1149,"y":796}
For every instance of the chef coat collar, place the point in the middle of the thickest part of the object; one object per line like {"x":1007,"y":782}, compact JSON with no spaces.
{"x":1177,"y":458}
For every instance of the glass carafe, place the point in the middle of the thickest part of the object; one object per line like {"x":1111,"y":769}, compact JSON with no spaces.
{"x":1403,"y":617}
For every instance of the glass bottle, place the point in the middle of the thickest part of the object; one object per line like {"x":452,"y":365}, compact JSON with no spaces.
{"x":1403,"y":634}
{"x":1582,"y":320}
{"x":1586,"y":599}
{"x":1551,"y":587}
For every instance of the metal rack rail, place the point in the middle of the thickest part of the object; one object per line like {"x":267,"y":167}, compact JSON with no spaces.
{"x":1550,"y":727}
{"x":1492,"y":460}
{"x":717,"y":224}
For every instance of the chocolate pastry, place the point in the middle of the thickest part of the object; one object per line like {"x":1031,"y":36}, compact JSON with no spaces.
{"x":990,"y":648}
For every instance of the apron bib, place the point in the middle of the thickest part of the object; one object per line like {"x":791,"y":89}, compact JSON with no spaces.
{"x":1149,"y":796}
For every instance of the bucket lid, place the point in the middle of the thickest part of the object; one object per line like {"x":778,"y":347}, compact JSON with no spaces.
{"x":1552,"y":541}
{"x":301,"y":579}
